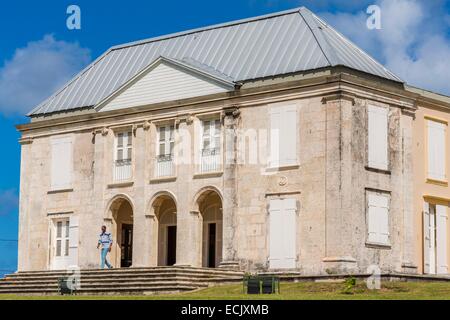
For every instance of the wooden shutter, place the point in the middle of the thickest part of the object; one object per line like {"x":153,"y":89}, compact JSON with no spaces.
{"x":61,"y":163}
{"x":165,"y":140}
{"x":282,"y":234}
{"x":378,"y":219}
{"x":426,"y":238}
{"x":289,"y":226}
{"x":378,"y":137}
{"x":276,"y":234}
{"x":283,"y":136}
{"x":275,"y":134}
{"x":441,"y":239}
{"x":73,"y":241}
{"x":289,"y":136}
{"x":436,"y":150}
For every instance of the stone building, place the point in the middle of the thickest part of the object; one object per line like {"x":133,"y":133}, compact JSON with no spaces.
{"x":271,"y":143}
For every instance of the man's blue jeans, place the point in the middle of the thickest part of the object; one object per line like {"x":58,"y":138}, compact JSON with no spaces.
{"x":104,"y":259}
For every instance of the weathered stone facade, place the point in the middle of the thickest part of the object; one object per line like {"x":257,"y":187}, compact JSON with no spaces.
{"x":329,"y":182}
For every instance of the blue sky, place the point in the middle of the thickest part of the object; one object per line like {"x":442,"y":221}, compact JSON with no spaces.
{"x":38,"y":53}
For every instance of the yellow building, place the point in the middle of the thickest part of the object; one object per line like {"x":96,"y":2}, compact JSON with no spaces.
{"x":431,"y":156}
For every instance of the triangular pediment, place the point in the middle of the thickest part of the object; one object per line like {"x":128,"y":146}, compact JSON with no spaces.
{"x":167,"y":80}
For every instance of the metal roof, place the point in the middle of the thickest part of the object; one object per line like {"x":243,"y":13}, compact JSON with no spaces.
{"x":265,"y":46}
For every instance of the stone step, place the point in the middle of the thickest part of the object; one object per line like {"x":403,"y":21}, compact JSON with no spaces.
{"x":121,"y":281}
{"x":214,"y":278}
{"x":123,"y":271}
{"x":118,"y":290}
{"x":90,"y":285}
{"x":112,"y":274}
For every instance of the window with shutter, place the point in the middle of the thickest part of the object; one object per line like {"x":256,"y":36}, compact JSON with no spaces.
{"x":210,"y":145}
{"x":282,"y":233}
{"x":61,"y":163}
{"x":123,"y":155}
{"x":441,"y":239}
{"x":377,"y":137}
{"x":283,"y":136}
{"x":166,"y":141}
{"x":436,"y":132}
{"x":378,"y":218}
{"x":165,"y":149}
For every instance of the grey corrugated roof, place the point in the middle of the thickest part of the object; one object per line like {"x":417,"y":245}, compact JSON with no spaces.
{"x":276,"y":44}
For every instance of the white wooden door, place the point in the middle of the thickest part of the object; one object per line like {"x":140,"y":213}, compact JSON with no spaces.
{"x":282,"y":234}
{"x":441,"y":240}
{"x":429,"y":243}
{"x":60,"y":244}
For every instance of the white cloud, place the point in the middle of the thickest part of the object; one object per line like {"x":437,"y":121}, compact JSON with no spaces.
{"x":412,"y":42}
{"x":37,"y":71}
{"x":9,"y":201}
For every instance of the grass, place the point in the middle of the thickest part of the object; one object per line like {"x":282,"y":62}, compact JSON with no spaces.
{"x":290,"y":291}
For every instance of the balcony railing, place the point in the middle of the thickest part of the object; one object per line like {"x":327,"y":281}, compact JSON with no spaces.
{"x":164,"y":166}
{"x":210,"y":160}
{"x":122,"y":170}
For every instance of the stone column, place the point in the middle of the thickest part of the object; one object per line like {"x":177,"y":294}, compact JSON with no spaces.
{"x":24,"y":251}
{"x":187,"y":243}
{"x":229,"y":205}
{"x":141,"y":228}
{"x":338,"y":174}
{"x":409,"y":260}
{"x":99,"y":216}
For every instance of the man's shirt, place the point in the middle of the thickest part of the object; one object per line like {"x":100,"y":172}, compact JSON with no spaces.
{"x":105,"y":240}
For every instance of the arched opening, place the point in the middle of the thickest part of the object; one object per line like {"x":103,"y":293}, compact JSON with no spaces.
{"x":165,"y":211}
{"x":122,"y":229}
{"x":210,"y":208}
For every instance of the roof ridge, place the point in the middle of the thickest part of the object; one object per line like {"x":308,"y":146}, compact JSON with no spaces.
{"x":344,"y":38}
{"x":323,"y":44}
{"x":210,"y":27}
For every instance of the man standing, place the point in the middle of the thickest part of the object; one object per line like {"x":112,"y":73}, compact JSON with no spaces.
{"x":105,"y":241}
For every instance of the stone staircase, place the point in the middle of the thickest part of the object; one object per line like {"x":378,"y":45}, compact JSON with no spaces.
{"x":126,"y":281}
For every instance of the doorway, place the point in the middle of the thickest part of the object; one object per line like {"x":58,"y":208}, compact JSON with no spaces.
{"x":122,"y":233}
{"x":171,"y":245}
{"x":210,"y":207}
{"x":126,"y":246}
{"x":435,"y":239}
{"x":212,"y":245}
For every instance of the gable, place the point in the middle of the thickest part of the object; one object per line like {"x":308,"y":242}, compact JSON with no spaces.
{"x":163,"y":82}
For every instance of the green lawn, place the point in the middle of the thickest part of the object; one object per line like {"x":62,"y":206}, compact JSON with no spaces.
{"x":295,"y":291}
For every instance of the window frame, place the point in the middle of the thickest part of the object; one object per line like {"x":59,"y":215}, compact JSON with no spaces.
{"x":369,"y":242}
{"x":444,"y":123}
{"x":369,"y":164}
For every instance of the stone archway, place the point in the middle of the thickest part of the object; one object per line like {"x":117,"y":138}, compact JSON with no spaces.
{"x":164,"y":211}
{"x":121,"y":218}
{"x":209,"y":204}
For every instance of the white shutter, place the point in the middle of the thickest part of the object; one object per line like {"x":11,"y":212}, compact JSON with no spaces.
{"x":426,"y":237}
{"x":283,"y":136}
{"x":383,"y":220}
{"x":378,"y":219}
{"x":275,"y":134}
{"x":378,"y":137}
{"x":73,"y":241}
{"x":372,"y":220}
{"x":282,"y":234}
{"x":436,"y":150}
{"x":289,"y":227}
{"x":288,"y":138}
{"x":276,"y":234}
{"x":61,"y":163}
{"x":441,"y":239}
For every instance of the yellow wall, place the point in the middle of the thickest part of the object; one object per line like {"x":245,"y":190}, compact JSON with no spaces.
{"x":430,"y":191}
